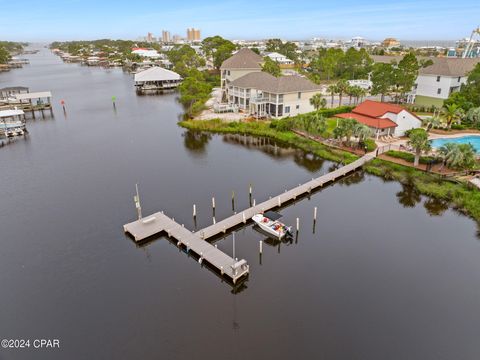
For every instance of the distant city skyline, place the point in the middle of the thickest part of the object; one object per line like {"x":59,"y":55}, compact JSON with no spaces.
{"x":372,"y":19}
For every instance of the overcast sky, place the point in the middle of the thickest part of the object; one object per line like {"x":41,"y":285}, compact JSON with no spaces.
{"x":87,"y":19}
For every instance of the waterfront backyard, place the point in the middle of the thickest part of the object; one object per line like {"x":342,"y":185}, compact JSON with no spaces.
{"x":386,"y":272}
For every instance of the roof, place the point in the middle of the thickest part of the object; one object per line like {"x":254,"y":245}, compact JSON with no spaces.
{"x":269,"y":83}
{"x":8,"y":113}
{"x":441,"y":65}
{"x":156,"y":74}
{"x":376,"y":108}
{"x":34,"y":95}
{"x":15,"y":88}
{"x":243,"y":59}
{"x":450,"y":66}
{"x":374,"y":122}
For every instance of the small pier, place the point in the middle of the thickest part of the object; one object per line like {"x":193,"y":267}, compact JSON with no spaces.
{"x":144,"y":228}
{"x":159,"y":222}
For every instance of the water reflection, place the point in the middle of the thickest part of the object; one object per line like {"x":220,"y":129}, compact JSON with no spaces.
{"x":276,"y":149}
{"x":196,"y":141}
{"x":352,"y":179}
{"x":435,"y":207}
{"x":409,"y":197}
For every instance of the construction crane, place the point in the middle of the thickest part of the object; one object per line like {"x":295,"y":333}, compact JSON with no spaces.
{"x":470,"y":43}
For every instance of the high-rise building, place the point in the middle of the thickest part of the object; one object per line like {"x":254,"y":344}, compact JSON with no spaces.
{"x":149,"y":37}
{"x":166,"y":36}
{"x":193,"y":34}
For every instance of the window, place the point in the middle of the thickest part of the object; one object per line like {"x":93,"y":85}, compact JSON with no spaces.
{"x":299,"y":95}
{"x":438,"y":78}
{"x":459,"y":78}
{"x":287,"y":109}
{"x":415,"y":86}
{"x":228,"y":72}
{"x":297,"y":107}
{"x":439,"y":91}
{"x":280,"y":98}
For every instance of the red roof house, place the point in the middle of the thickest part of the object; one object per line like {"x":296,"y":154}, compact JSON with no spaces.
{"x":384,"y":118}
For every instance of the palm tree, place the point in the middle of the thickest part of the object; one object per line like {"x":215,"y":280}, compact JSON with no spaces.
{"x":342,"y":87}
{"x":473,"y":116}
{"x":458,"y":156}
{"x":418,"y":140}
{"x":431,"y":122}
{"x":362,"y":131}
{"x":345,"y":129}
{"x":451,"y":113}
{"x":317,"y":101}
{"x":332,"y":89}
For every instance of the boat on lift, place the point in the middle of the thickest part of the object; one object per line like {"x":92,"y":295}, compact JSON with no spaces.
{"x":269,"y":223}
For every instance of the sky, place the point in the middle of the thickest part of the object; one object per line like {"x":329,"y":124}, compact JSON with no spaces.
{"x":47,"y":20}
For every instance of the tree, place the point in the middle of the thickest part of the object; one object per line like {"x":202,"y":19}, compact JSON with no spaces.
{"x":222,"y":53}
{"x":194,"y":91}
{"x":4,"y":55}
{"x":431,"y":122}
{"x":270,"y":66}
{"x":458,"y":156}
{"x":418,"y":140}
{"x":289,"y":49}
{"x":318,"y":102}
{"x":452,"y":113}
{"x":345,"y":129}
{"x":473,"y":116}
{"x":362,"y":131}
{"x":382,"y":78}
{"x":342,"y":87}
{"x":332,"y":89}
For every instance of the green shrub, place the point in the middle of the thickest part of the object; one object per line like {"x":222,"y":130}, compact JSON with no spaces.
{"x":371,"y":145}
{"x":410,"y":157}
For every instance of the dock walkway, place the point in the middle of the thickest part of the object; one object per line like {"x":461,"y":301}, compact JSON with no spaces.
{"x":154,"y":224}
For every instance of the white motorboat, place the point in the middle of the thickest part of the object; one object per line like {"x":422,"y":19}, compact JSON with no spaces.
{"x":269,"y":223}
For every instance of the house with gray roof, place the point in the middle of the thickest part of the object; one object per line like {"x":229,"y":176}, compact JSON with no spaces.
{"x":243,"y":62}
{"x":263,"y":95}
{"x":436,"y":82}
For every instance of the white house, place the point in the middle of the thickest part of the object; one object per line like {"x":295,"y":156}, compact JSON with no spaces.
{"x":243,"y":62}
{"x":280,"y":58}
{"x":436,"y":82}
{"x":263,"y":95}
{"x":384,"y":118}
{"x":147,"y":53}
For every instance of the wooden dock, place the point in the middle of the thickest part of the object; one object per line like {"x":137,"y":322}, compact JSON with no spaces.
{"x":154,"y":224}
{"x":159,"y":222}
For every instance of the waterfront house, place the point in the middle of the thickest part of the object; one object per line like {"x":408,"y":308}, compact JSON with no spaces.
{"x":243,"y":62}
{"x":157,"y":78}
{"x":262,"y":95}
{"x":383,"y":118}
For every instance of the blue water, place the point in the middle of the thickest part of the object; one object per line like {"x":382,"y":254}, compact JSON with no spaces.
{"x":472,"y":139}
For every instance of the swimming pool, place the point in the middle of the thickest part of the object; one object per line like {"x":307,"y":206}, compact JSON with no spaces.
{"x":472,"y":139}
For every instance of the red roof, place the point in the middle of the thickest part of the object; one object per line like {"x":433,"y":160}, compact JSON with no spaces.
{"x":374,"y":122}
{"x":376,"y":108}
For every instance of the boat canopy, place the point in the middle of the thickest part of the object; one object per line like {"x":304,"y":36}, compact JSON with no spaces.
{"x":272,"y":215}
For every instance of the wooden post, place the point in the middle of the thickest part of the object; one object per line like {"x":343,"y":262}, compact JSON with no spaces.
{"x":298,"y":224}
{"x":213,"y":203}
{"x":194,"y":211}
{"x":243,"y":216}
{"x":250,"y":193}
{"x":254,"y":202}
{"x":260,"y":246}
{"x":233,"y":241}
{"x":315,"y":214}
{"x":137,"y":203}
{"x":233,"y":200}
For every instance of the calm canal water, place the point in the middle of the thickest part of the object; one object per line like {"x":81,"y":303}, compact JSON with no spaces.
{"x":388,"y":274}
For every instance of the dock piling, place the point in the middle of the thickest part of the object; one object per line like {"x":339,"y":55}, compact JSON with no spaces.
{"x":298,"y":224}
{"x":260,"y":247}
